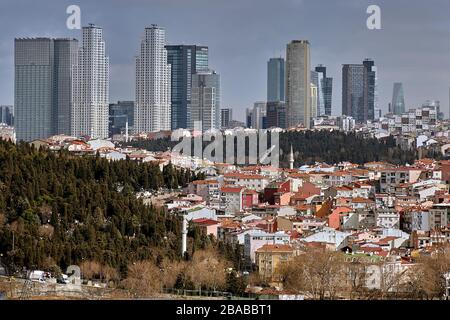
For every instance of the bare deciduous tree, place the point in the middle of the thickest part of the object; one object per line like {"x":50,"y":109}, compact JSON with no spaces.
{"x":317,"y":272}
{"x":143,"y":280}
{"x":207,"y":269}
{"x":426,"y":279}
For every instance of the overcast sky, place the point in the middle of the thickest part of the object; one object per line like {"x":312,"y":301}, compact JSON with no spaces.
{"x":412,"y":47}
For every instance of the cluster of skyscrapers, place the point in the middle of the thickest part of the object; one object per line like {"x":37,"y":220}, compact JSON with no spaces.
{"x":295,"y":93}
{"x":63,"y":88}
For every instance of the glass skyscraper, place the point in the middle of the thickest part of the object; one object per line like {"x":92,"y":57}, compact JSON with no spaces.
{"x":185,"y":60}
{"x":358,"y":90}
{"x":7,"y":115}
{"x":276,"y":114}
{"x":275,"y":80}
{"x":43,"y":86}
{"x":119,"y":114}
{"x":226,"y":115}
{"x":205,"y":100}
{"x":398,"y":99}
{"x":325,"y":85}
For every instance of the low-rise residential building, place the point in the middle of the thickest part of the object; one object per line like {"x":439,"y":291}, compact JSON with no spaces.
{"x":270,"y":257}
{"x":254,"y":241}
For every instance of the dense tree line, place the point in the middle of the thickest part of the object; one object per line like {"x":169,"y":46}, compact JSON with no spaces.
{"x":57,"y":209}
{"x":319,"y":146}
{"x":335,"y":146}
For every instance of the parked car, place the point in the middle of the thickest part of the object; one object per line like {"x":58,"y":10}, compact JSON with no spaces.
{"x":37,"y":275}
{"x":64,"y":279}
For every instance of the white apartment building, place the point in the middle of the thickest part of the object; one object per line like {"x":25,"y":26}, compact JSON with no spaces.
{"x":153,"y":89}
{"x":208,"y":190}
{"x":231,"y":199}
{"x":254,"y":241}
{"x":387,"y":218}
{"x":90,"y":111}
{"x":392,"y":177}
{"x":250,"y":181}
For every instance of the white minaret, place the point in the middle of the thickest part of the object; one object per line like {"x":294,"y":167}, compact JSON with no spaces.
{"x":91,"y":86}
{"x":291,"y":159}
{"x":126,"y":130}
{"x":153,"y":95}
{"x":184,"y":232}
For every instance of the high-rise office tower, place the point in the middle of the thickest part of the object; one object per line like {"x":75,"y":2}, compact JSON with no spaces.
{"x":259,"y":115}
{"x":153,"y":91}
{"x":248,"y":117}
{"x":314,"y":101}
{"x":398,"y":99}
{"x":298,"y":82}
{"x":7,"y":115}
{"x":316,"y":82}
{"x":276,"y":114}
{"x":358,"y":90}
{"x":43,"y":86}
{"x":185,"y":60}
{"x":119,"y":114}
{"x":66,"y":59}
{"x":325,"y":85}
{"x":90,"y":112}
{"x":275,"y":80}
{"x":226,"y":115}
{"x":205,"y":100}
{"x":436,"y":105}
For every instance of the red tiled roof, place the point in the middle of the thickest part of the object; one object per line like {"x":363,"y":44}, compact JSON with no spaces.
{"x":361,"y":200}
{"x":229,"y":189}
{"x":239,"y":175}
{"x":205,"y":222}
{"x":205,"y":182}
{"x":275,"y":248}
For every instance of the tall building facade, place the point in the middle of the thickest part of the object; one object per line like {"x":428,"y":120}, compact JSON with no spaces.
{"x":7,"y":115}
{"x":358,"y":90}
{"x":43,"y":86}
{"x":205,"y":100}
{"x":325,"y":85}
{"x":315,"y":112}
{"x":259,"y":115}
{"x":298,"y":82}
{"x":185,"y":60}
{"x":153,"y":84}
{"x":66,"y":59}
{"x":90,"y":110}
{"x":119,"y":114}
{"x":226,"y":115}
{"x":436,"y":105}
{"x":248,"y":117}
{"x":275,"y":80}
{"x":276,"y":114}
{"x":398,"y":99}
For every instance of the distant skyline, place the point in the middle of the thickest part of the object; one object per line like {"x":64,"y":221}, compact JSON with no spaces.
{"x":413,"y":46}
